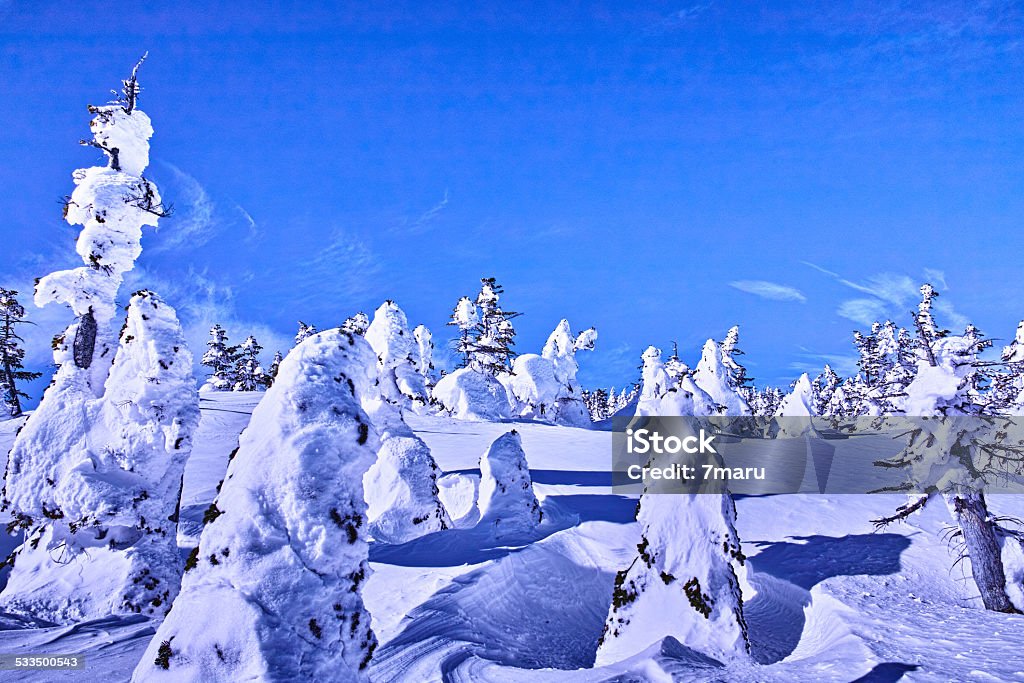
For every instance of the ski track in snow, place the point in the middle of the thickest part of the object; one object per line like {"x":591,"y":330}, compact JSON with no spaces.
{"x":826,"y":598}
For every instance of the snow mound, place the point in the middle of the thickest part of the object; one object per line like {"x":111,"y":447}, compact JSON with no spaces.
{"x":468,"y":394}
{"x":402,"y":493}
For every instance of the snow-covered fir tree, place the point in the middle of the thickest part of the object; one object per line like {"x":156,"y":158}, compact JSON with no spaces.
{"x":424,"y":355}
{"x":220,"y":358}
{"x":94,"y":475}
{"x":465,"y":318}
{"x":495,"y":335}
{"x":545,"y":386}
{"x":596,"y":402}
{"x":356,"y":324}
{"x":100,"y":517}
{"x":662,"y":394}
{"x":951,"y":456}
{"x":12,"y":355}
{"x":305,"y":331}
{"x":273,"y":591}
{"x":249,"y":374}
{"x":730,"y":358}
{"x":715,"y":377}
{"x":397,"y":349}
{"x":507,"y":502}
{"x":681,"y":582}
{"x":825,"y":386}
{"x":275,"y":367}
{"x":1007,"y":386}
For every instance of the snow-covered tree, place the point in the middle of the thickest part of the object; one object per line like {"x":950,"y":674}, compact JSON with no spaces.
{"x":275,"y":367}
{"x":220,"y":357}
{"x":954,"y":456}
{"x":249,"y":374}
{"x":663,"y":394}
{"x":825,"y":386}
{"x":100,"y":509}
{"x":730,"y":359}
{"x":596,"y":402}
{"x":273,"y":591}
{"x":12,"y":355}
{"x":1008,"y":385}
{"x":545,"y":386}
{"x":465,"y":318}
{"x":467,"y":394}
{"x":400,"y":380}
{"x":94,"y":475}
{"x":793,"y":416}
{"x":305,"y":331}
{"x":681,"y":582}
{"x":507,"y":503}
{"x":356,"y":324}
{"x":714,"y":377}
{"x":424,"y":355}
{"x":495,"y":335}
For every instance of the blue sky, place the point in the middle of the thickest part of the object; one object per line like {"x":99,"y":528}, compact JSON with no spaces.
{"x":660,"y":172}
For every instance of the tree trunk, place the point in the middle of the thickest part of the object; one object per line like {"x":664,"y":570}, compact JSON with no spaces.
{"x":971,"y":514}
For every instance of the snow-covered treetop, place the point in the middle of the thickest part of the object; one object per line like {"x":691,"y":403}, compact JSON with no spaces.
{"x":356,"y":324}
{"x":714,"y":378}
{"x":561,"y":348}
{"x":304,"y":332}
{"x":465,"y":315}
{"x":389,"y":336}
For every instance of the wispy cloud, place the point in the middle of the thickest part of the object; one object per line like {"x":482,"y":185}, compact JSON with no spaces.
{"x":893,"y":296}
{"x":769,"y":290}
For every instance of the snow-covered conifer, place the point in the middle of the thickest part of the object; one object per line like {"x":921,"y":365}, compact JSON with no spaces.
{"x":507,"y":503}
{"x":12,"y":355}
{"x":682,"y":581}
{"x":273,"y":592}
{"x":730,"y":353}
{"x":494,"y":335}
{"x":465,"y":317}
{"x":1008,"y":385}
{"x":100,"y":512}
{"x":305,"y":331}
{"x":825,"y":386}
{"x":715,"y":378}
{"x":662,"y":394}
{"x":95,"y":473}
{"x":424,"y":355}
{"x":249,"y":374}
{"x":275,"y":367}
{"x":356,"y":324}
{"x":220,"y":357}
{"x":546,"y":385}
{"x":396,"y":349}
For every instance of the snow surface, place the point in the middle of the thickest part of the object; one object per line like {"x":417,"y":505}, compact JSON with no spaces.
{"x":826,"y":598}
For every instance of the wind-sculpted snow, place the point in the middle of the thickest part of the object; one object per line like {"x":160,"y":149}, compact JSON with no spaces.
{"x":401,"y":490}
{"x":105,"y":476}
{"x":273,"y":590}
{"x":397,"y":351}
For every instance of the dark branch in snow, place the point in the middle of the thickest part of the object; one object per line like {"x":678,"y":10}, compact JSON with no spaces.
{"x":142,"y":196}
{"x":902,"y":512}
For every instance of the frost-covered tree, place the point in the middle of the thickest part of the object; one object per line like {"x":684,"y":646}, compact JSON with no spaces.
{"x":275,"y":367}
{"x":12,"y":355}
{"x":955,"y":456}
{"x":495,"y":335}
{"x":273,"y":591}
{"x":249,"y":374}
{"x":545,"y":386}
{"x":356,"y":324}
{"x":400,"y":380}
{"x":825,"y":386}
{"x":95,"y":482}
{"x":221,"y":358}
{"x":715,"y":377}
{"x":663,"y":394}
{"x":94,"y":475}
{"x":424,"y":355}
{"x":465,"y":318}
{"x":305,"y":331}
{"x":596,"y":402}
{"x":681,"y":582}
{"x":1008,"y":385}
{"x":507,"y":503}
{"x":730,"y":359}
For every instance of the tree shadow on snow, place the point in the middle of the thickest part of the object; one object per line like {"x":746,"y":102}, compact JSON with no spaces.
{"x":784,"y":572}
{"x":887,"y":672}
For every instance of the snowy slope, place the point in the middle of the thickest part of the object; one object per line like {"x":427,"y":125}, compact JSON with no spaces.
{"x":826,"y":598}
